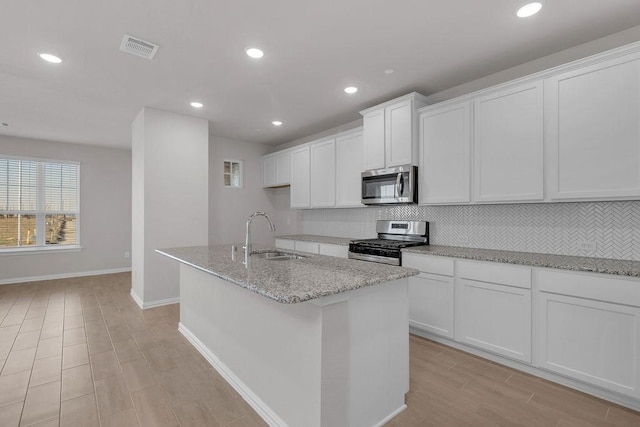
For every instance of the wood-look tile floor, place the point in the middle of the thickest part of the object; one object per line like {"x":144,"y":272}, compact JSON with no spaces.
{"x":80,"y":352}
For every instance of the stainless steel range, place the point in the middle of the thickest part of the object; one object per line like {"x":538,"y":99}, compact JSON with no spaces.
{"x":392,"y":237}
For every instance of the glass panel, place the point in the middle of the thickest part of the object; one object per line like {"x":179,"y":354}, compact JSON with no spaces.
{"x":52,"y":199}
{"x":69,"y":199}
{"x":227,"y":167}
{"x":61,"y":183}
{"x":60,"y":229}
{"x":18,"y":180}
{"x":17,"y":230}
{"x":227,"y":180}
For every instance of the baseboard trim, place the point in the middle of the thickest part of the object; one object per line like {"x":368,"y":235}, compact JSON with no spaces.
{"x":63,"y":276}
{"x":152,"y":304}
{"x":610,"y":396}
{"x":137,"y":299}
{"x":391,"y":416}
{"x":267,"y":414}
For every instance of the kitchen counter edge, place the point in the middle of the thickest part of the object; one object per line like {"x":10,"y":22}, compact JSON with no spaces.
{"x":288,"y":282}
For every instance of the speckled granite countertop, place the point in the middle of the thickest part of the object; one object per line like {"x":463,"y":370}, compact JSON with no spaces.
{"x":318,"y":239}
{"x":288,"y":282}
{"x":576,"y":263}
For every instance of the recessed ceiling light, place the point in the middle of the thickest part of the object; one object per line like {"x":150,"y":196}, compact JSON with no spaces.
{"x":389,"y":71}
{"x":254,"y":52}
{"x":529,"y":9}
{"x":277,"y":123}
{"x":196,"y":104}
{"x":351,"y":89}
{"x":50,"y":58}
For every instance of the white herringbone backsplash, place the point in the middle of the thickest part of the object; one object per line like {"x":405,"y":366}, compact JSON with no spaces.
{"x":554,"y":228}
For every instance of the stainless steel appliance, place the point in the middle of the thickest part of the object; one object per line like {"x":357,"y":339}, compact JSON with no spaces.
{"x":398,"y":185}
{"x":392,"y":237}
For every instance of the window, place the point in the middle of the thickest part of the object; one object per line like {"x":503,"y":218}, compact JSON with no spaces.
{"x":233,"y":173}
{"x":39,"y":204}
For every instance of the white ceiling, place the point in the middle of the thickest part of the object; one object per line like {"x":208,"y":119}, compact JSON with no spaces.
{"x":312,"y":51}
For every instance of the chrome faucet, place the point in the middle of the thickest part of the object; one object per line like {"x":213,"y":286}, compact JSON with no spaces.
{"x":247,"y":242}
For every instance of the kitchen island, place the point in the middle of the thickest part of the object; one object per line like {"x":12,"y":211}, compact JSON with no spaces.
{"x":314,"y":341}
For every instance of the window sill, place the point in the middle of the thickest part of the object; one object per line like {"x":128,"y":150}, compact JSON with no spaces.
{"x":40,"y":250}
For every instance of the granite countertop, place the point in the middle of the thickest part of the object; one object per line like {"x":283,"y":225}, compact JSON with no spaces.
{"x":318,"y":239}
{"x":294,"y":281}
{"x":566,"y":262}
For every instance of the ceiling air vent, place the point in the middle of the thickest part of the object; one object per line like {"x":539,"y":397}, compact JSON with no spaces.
{"x":138,"y":47}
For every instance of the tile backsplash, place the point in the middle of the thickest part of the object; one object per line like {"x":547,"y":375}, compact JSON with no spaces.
{"x":556,"y":228}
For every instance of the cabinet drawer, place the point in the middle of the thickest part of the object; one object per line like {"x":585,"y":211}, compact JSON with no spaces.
{"x":310,"y":247}
{"x":519,"y":277}
{"x":428,"y":263}
{"x":596,"y":287}
{"x":329,"y":249}
{"x":285,"y":244}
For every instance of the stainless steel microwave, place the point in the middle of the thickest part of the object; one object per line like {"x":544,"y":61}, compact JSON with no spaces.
{"x":392,"y":186}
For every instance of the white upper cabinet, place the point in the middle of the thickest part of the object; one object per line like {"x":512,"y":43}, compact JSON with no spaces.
{"x":300,"y":177}
{"x":283,"y":165}
{"x":323,"y":174}
{"x":268,"y":170}
{"x":445,"y":143}
{"x":391,"y":132}
{"x":349,"y":165}
{"x":593,"y":131}
{"x":275,"y":169}
{"x":400,"y":133}
{"x":508,"y":144}
{"x":373,"y":123}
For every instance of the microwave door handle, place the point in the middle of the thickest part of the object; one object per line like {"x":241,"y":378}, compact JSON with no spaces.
{"x":398,"y":185}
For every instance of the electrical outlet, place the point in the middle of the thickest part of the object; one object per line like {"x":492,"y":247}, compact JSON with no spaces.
{"x":586,"y":245}
{"x":127,"y":254}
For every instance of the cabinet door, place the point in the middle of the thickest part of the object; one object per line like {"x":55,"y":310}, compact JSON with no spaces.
{"x":594,"y":139}
{"x":340,"y":251}
{"x":444,"y":155}
{"x":508,"y":145}
{"x":593,"y":341}
{"x":431,"y":304}
{"x":285,"y":244}
{"x":494,"y":317}
{"x":304,"y":246}
{"x":268,"y":171}
{"x":399,"y":133}
{"x":349,"y":166}
{"x":323,"y":174}
{"x":283,"y":163}
{"x":373,"y":125}
{"x":300,"y":178}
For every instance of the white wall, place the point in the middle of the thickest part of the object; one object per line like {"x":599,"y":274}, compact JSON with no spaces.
{"x":229,"y":208}
{"x":105,"y":212}
{"x":170,"y":198}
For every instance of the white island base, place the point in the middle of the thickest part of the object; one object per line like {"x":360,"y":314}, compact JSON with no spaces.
{"x":341,"y":360}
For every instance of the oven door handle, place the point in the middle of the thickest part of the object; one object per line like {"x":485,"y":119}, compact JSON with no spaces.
{"x":399,"y":185}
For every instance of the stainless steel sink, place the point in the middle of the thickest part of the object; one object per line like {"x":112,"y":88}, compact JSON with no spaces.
{"x":277,"y":256}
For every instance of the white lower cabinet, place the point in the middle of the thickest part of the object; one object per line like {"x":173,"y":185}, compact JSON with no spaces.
{"x":494,"y":317}
{"x":285,"y":244}
{"x":303,"y":246}
{"x":340,"y":251}
{"x":431,"y":303}
{"x":431,"y":294}
{"x":592,"y":334}
{"x":579,"y":329}
{"x":330,"y":249}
